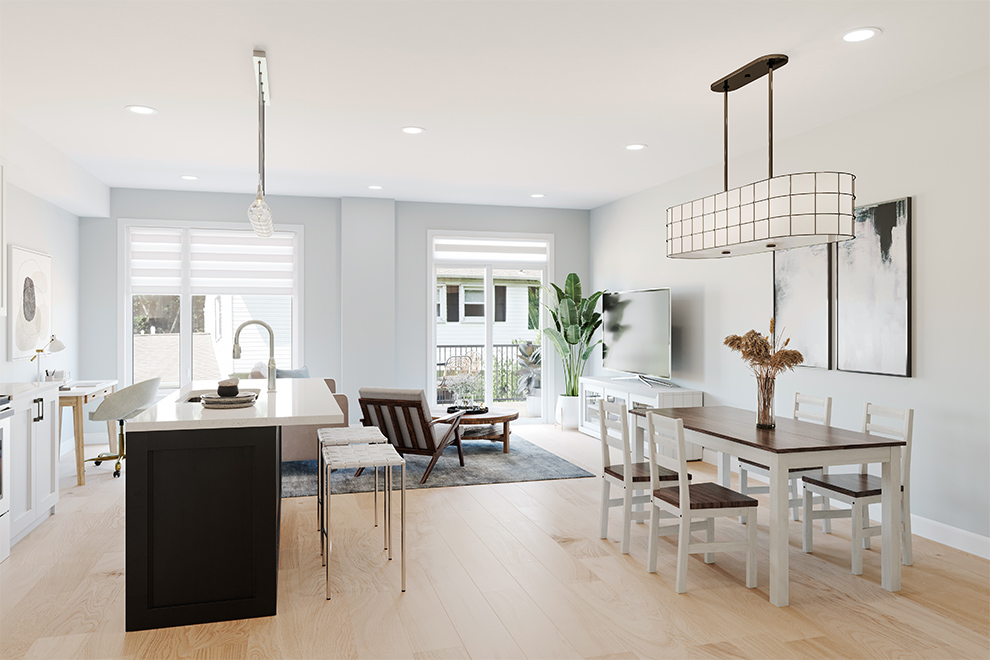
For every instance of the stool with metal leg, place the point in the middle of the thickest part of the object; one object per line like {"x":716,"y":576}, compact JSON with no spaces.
{"x":365,"y":456}
{"x":335,"y":437}
{"x":120,"y":406}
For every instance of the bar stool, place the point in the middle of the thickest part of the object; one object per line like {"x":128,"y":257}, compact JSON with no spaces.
{"x":344,"y":435}
{"x":336,"y":457}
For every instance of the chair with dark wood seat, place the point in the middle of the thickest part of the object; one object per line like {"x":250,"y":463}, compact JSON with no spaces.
{"x":807,"y":408}
{"x":403,"y":415}
{"x":861,"y":490}
{"x":633,"y":478}
{"x":688,"y":502}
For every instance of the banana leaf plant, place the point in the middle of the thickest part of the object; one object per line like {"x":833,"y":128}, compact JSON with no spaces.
{"x":574,"y":323}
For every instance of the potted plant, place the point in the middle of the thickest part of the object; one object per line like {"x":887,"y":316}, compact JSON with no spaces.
{"x":529,"y":362}
{"x":574,"y":323}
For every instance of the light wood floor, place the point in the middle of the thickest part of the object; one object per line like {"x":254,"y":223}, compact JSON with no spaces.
{"x":512,"y":570}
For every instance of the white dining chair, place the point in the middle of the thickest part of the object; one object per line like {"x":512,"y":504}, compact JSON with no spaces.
{"x":632,"y":478}
{"x":861,"y":490}
{"x":688,"y":502}
{"x":816,"y":409}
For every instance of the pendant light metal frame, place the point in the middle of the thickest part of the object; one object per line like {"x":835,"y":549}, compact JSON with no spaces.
{"x":776,"y":213}
{"x":259,"y":213}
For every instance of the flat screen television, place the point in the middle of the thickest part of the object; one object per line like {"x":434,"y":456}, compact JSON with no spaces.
{"x":636,"y":332}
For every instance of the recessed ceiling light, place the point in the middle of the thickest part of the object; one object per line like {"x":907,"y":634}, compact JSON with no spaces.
{"x":635,"y":147}
{"x":861,"y":34}
{"x":188,"y":177}
{"x":142,"y":109}
{"x":537,"y":195}
{"x":413,"y":130}
{"x":374,"y":187}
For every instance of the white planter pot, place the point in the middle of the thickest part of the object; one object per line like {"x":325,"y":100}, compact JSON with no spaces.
{"x":566,"y":413}
{"x":534,"y":403}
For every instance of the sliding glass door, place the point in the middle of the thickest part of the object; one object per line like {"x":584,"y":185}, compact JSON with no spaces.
{"x":486,"y":322}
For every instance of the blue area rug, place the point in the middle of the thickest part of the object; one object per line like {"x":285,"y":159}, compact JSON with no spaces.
{"x":484,"y":463}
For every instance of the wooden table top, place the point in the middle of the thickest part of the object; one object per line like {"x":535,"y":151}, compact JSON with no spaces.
{"x":493,"y":416}
{"x":790,"y":435}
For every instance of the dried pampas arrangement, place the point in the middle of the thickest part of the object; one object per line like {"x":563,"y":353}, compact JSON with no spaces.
{"x":767,"y":357}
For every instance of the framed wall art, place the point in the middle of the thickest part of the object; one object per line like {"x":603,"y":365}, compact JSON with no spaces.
{"x":29,"y":314}
{"x":873,"y":292}
{"x":802,"y":295}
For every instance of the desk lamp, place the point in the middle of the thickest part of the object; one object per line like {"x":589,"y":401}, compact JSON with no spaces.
{"x":54,"y":345}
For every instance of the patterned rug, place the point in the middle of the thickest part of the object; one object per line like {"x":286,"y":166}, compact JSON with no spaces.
{"x":484,"y":463}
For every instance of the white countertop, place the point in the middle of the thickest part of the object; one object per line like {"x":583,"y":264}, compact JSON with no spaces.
{"x":23,"y":390}
{"x":296,"y":401}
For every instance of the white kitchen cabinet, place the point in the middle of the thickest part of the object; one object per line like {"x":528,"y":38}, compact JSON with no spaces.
{"x":34,"y":454}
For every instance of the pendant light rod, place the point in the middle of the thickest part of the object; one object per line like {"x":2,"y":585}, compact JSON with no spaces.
{"x":725,"y":139}
{"x":770,"y":127}
{"x":761,"y":66}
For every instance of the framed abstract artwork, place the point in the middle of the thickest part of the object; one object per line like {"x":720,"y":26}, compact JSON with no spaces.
{"x":802,"y":298}
{"x":873,"y":292}
{"x":29,"y":315}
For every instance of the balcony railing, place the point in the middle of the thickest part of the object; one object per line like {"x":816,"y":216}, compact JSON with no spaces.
{"x":505,"y":383}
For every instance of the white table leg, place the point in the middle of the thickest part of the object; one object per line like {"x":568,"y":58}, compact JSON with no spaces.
{"x":779,"y":502}
{"x":890,"y":539}
{"x":725,"y":469}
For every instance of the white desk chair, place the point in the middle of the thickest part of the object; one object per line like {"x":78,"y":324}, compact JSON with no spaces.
{"x":687,"y":502}
{"x":120,"y":406}
{"x":817,"y":409}
{"x":365,"y":456}
{"x":863,"y":489}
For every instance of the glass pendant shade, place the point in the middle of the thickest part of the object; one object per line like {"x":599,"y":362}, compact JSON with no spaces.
{"x":261,"y":216}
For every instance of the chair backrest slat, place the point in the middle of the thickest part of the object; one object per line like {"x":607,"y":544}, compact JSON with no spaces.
{"x":613,"y":424}
{"x":823,"y":414}
{"x":667,"y":435}
{"x":902,"y":430}
{"x":403,"y":420}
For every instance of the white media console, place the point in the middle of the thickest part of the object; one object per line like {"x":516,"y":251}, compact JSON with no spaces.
{"x":634,"y":394}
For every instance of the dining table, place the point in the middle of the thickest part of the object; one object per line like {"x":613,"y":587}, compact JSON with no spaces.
{"x":792,"y":444}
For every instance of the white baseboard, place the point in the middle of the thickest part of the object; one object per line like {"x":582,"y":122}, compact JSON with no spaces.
{"x":954,"y":537}
{"x":960,"y":539}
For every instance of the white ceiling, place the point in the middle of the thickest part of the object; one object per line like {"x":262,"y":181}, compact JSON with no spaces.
{"x":517,"y":97}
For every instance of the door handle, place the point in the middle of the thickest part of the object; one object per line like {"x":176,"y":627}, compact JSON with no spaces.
{"x":41,"y":410}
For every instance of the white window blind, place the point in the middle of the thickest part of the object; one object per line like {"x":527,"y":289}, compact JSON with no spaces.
{"x":490,"y":250}
{"x":155,"y":259}
{"x":240,"y":262}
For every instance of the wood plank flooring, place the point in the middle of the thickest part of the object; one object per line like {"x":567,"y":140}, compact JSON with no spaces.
{"x":496,"y":571}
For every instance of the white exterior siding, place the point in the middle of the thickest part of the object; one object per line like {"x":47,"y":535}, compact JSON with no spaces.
{"x":471,"y":332}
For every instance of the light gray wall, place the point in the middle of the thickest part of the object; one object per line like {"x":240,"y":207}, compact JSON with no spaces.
{"x":368,"y":295}
{"x":570,"y":229}
{"x":33,"y":223}
{"x":934,"y":146}
{"x":99,"y":262}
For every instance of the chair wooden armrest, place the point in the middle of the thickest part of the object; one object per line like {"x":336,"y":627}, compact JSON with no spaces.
{"x":453,"y":418}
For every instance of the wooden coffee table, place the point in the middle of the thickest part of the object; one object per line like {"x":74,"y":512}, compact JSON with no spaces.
{"x":492,"y":425}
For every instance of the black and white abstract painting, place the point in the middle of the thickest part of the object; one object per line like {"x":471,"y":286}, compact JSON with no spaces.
{"x":30,"y":316}
{"x":801,"y":301}
{"x":873,"y":292}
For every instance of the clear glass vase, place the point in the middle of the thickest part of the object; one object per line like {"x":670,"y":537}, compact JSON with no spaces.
{"x":764,"y":402}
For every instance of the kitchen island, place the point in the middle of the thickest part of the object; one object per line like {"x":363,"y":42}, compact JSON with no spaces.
{"x":204,"y":502}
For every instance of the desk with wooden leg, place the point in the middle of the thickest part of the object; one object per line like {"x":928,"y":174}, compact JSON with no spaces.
{"x":75,"y":396}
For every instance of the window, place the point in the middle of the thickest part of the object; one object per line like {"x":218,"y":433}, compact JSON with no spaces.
{"x":441,"y":304}
{"x":474,"y":302}
{"x":500,"y":303}
{"x":191,"y":287}
{"x":453,"y":303}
